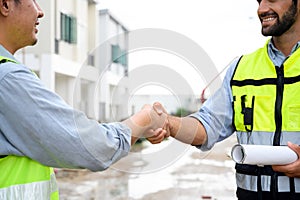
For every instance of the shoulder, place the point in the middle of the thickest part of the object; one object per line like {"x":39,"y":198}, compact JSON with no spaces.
{"x":10,"y":68}
{"x":231,"y":68}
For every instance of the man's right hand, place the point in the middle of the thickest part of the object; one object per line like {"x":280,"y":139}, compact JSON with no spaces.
{"x":187,"y":129}
{"x":159,"y":134}
{"x":147,"y":123}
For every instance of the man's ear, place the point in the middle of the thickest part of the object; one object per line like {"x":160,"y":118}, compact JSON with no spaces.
{"x":4,"y":7}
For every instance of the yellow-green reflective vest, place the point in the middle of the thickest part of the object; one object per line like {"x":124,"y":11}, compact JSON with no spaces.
{"x":266,"y":110}
{"x":25,"y":179}
{"x":266,"y":97}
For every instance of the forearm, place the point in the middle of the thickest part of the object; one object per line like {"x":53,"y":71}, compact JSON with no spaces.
{"x":53,"y":133}
{"x":187,"y":130}
{"x":136,"y":131}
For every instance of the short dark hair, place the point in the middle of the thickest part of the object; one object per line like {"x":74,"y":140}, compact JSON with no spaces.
{"x":295,"y":2}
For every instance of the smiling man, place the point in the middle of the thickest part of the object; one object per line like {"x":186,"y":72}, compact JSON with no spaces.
{"x":38,"y":130}
{"x":259,"y":100}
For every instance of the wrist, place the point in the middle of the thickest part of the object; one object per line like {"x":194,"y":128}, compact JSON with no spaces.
{"x":138,"y":123}
{"x":174,"y":125}
{"x":141,"y":119}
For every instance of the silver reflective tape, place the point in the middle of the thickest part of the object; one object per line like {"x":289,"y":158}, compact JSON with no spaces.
{"x":30,"y":191}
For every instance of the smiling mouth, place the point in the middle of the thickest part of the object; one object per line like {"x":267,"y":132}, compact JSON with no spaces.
{"x":35,"y":27}
{"x":268,"y":20}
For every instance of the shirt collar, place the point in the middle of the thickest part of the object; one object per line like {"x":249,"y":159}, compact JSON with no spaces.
{"x":272,"y":47}
{"x":7,"y":54}
{"x":276,"y":55}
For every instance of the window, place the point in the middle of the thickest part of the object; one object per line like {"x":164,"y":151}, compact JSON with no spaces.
{"x":123,"y":58}
{"x":68,"y":29}
{"x":118,"y":55}
{"x":91,"y":59}
{"x":115,"y":53}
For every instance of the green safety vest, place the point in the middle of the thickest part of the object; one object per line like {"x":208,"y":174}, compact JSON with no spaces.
{"x":266,"y":111}
{"x":25,"y":179}
{"x":259,"y":101}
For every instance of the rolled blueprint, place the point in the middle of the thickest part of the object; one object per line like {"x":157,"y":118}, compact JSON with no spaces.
{"x":263,"y":154}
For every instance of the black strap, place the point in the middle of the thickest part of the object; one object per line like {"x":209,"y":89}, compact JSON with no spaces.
{"x":274,"y":186}
{"x":259,"y":188}
{"x":292,"y":189}
{"x":265,"y":170}
{"x":255,"y":170}
{"x":3,"y":61}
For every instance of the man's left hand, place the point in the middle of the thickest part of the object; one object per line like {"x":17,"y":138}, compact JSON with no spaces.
{"x":293,"y":169}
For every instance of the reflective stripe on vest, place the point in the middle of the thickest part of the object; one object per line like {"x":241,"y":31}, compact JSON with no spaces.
{"x":264,"y":114}
{"x":5,"y":59}
{"x":25,"y":179}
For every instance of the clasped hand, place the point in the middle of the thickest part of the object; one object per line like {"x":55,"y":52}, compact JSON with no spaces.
{"x":293,"y":169}
{"x":158,"y":135}
{"x":150,"y":122}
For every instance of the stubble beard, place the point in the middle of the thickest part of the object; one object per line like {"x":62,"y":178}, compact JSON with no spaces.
{"x":282,"y":25}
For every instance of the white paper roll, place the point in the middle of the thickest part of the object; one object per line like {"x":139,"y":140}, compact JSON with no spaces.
{"x":263,"y":154}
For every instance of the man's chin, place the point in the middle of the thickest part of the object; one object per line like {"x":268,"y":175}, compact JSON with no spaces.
{"x":266,"y":32}
{"x":34,"y":42}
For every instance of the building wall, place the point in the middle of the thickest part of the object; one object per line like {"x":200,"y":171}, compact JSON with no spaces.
{"x":83,"y":73}
{"x":113,"y":88}
{"x":62,"y":66}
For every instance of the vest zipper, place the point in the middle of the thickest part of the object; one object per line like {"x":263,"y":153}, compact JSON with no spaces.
{"x":278,"y":121}
{"x":278,"y":105}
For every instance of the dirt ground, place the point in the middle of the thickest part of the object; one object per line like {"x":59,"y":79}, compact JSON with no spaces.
{"x":209,"y":176}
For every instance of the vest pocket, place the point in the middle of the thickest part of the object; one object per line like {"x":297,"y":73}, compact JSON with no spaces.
{"x":293,"y":118}
{"x":243,"y":112}
{"x":264,"y":114}
{"x":254,"y":113}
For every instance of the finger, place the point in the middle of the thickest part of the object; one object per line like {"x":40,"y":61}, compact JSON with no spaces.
{"x":277,"y":168}
{"x":155,"y":140}
{"x":294,"y":147}
{"x":159,"y":108}
{"x":157,"y":132}
{"x":151,"y":140}
{"x":166,"y":125}
{"x":167,"y":134}
{"x":158,"y":135}
{"x":158,"y":140}
{"x":151,"y":134}
{"x":286,"y":169}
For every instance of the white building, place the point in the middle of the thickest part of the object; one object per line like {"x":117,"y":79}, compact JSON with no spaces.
{"x":67,"y":61}
{"x":113,"y":60}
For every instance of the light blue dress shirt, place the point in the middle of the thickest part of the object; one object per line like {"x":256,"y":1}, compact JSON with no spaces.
{"x":37,"y":123}
{"x":216,"y":112}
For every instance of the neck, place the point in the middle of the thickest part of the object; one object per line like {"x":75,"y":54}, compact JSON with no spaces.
{"x":285,"y":44}
{"x":288,"y":40}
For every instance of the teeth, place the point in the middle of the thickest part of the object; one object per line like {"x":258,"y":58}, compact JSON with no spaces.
{"x":268,"y":19}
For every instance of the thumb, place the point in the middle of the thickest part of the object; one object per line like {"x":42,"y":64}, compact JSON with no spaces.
{"x":159,"y":109}
{"x":294,"y":147}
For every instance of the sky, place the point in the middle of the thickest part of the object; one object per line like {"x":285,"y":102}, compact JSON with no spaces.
{"x":225,"y":29}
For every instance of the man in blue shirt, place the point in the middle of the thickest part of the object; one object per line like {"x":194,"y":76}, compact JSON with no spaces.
{"x":38,"y":125}
{"x":271,"y":69}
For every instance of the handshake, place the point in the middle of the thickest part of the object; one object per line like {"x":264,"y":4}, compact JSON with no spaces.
{"x":151,"y":122}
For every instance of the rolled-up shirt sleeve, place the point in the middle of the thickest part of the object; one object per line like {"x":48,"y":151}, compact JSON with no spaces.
{"x":216,"y":113}
{"x":37,"y":123}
